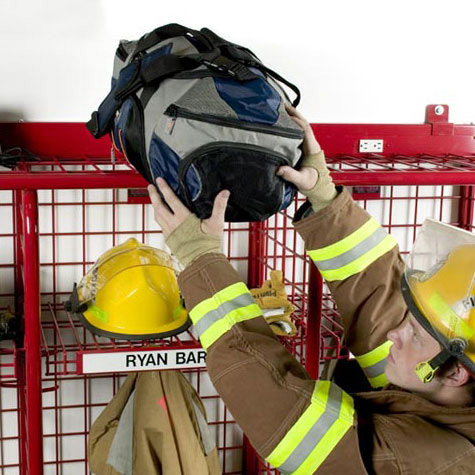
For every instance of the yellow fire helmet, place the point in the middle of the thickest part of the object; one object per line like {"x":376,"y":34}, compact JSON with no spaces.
{"x":130,"y":293}
{"x":439,"y":289}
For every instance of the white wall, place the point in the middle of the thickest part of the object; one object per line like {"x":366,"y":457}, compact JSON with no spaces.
{"x":355,"y":61}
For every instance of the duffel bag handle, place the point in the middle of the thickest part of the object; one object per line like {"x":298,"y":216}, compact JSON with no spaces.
{"x":234,"y":50}
{"x":170,"y":31}
{"x":279,"y":78}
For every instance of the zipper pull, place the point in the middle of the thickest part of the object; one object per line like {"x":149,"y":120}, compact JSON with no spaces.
{"x":172,"y":112}
{"x":170,"y":125}
{"x":112,"y":155}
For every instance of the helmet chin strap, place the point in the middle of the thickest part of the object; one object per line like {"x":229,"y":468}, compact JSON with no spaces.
{"x":426,"y":369}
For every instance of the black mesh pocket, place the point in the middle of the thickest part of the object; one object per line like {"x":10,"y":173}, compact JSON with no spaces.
{"x":247,"y":171}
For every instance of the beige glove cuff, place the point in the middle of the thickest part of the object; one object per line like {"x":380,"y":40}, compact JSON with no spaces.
{"x":323,"y":193}
{"x":188,"y":241}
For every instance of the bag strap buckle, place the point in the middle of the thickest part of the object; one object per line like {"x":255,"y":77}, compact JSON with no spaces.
{"x":232,"y":68}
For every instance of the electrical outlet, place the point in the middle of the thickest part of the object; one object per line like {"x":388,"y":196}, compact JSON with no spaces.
{"x":371,"y":146}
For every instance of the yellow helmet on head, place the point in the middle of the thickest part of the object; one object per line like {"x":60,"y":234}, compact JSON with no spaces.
{"x":131,"y":292}
{"x":439,"y":289}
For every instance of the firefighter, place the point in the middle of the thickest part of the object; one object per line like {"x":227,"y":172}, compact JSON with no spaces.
{"x":411,"y":329}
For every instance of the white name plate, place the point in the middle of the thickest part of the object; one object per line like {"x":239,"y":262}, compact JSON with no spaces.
{"x":120,"y":361}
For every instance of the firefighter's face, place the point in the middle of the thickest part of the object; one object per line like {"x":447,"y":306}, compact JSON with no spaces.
{"x":411,"y":345}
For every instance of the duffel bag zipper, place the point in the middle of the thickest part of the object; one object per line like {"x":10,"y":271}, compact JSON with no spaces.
{"x":188,"y":160}
{"x":175,"y":111}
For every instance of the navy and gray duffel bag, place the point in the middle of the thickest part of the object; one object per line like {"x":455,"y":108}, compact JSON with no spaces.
{"x":205,"y":114}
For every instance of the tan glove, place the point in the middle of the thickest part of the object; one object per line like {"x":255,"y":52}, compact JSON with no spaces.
{"x":188,"y":241}
{"x":324,"y":191}
{"x":276,"y":308}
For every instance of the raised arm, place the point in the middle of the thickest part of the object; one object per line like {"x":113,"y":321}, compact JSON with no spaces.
{"x":359,"y":261}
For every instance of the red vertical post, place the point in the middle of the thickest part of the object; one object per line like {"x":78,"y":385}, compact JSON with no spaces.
{"x":20,"y":356}
{"x":254,"y":279}
{"x":314,"y":319}
{"x":255,"y":269}
{"x":466,"y":205}
{"x":31,"y":276}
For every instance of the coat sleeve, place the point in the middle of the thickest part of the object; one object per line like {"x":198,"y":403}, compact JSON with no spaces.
{"x":362,"y":267}
{"x":298,"y":425}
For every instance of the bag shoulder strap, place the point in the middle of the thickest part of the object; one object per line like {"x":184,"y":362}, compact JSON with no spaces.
{"x":247,"y":57}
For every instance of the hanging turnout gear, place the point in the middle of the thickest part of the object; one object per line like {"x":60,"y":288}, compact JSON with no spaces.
{"x":156,"y":424}
{"x":205,"y":114}
{"x":132,"y":293}
{"x":439,"y":289}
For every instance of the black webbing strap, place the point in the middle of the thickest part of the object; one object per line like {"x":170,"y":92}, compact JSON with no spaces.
{"x":170,"y":31}
{"x":246,"y":56}
{"x":440,"y":358}
{"x":228,"y":66}
{"x":279,"y":78}
{"x":155,"y":71}
{"x":236,"y":51}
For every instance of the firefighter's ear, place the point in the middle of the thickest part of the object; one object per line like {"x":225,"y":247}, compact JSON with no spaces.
{"x":457,"y":375}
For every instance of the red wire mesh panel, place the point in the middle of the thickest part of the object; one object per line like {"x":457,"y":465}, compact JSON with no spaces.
{"x":9,"y":390}
{"x":400,"y":188}
{"x":7,"y":281}
{"x":76,"y":226}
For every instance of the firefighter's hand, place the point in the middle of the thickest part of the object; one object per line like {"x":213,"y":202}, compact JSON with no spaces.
{"x":313,"y":177}
{"x":310,"y":144}
{"x":187,"y":236}
{"x":304,"y":179}
{"x":171,"y":216}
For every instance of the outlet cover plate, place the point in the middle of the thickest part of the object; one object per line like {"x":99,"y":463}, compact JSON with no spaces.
{"x":371,"y":145}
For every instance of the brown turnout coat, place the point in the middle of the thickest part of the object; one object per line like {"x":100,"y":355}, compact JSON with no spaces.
{"x":388,"y":431}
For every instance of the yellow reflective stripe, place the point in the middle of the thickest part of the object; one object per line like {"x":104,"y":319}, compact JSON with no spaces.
{"x":345,"y":244}
{"x":374,"y":356}
{"x":216,"y":315}
{"x":336,"y":432}
{"x":297,"y":432}
{"x":379,"y":381}
{"x":373,"y":364}
{"x":362,"y":262}
{"x":339,"y":412}
{"x":222,"y":326}
{"x":212,"y":303}
{"x":455,"y":324}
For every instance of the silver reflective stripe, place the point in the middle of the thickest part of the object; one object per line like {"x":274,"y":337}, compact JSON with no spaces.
{"x":214,"y":315}
{"x":376,"y":369}
{"x":354,"y":253}
{"x":121,"y":451}
{"x":316,"y":432}
{"x":208,"y":442}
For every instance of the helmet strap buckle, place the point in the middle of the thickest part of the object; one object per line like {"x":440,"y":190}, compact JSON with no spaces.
{"x":426,"y":369}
